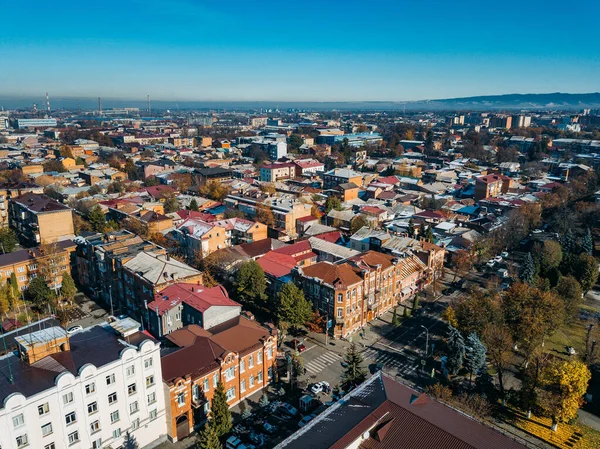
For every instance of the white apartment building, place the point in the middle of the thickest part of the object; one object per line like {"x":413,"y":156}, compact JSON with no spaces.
{"x":94,"y":389}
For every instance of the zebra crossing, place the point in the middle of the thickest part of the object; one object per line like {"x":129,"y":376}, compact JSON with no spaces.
{"x":391,"y":361}
{"x":320,"y":363}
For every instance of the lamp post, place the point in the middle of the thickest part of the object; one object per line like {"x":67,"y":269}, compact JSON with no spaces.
{"x":426,"y":339}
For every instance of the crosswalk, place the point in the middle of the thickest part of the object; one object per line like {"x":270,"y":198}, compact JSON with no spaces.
{"x":320,"y":363}
{"x":402,"y":364}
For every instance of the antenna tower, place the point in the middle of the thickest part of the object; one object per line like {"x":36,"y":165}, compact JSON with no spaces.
{"x":99,"y":106}
{"x":148,"y":104}
{"x":48,"y":104}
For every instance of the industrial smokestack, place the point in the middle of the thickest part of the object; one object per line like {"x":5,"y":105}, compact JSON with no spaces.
{"x":99,"y":106}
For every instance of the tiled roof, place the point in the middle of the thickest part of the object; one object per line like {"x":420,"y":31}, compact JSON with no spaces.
{"x":40,"y":203}
{"x":332,"y":274}
{"x":197,"y":296}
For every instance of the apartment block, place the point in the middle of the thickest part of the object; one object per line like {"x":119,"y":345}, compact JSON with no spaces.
{"x":240,"y":353}
{"x":491,"y":186}
{"x":38,"y":219}
{"x":277,"y":172}
{"x":87,"y":390}
{"x":11,"y":189}
{"x":338,"y":176}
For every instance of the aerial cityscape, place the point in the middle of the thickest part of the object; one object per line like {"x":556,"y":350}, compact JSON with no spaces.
{"x":348,"y":225}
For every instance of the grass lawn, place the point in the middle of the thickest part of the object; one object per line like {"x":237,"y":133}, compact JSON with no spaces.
{"x":568,"y":335}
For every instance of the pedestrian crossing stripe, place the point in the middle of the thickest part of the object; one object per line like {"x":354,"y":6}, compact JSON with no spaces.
{"x":320,"y":363}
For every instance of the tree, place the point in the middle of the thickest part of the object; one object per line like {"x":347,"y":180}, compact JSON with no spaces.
{"x":219,"y":413}
{"x":586,"y":270}
{"x":264,"y":215}
{"x":14,"y":291}
{"x":411,"y":228}
{"x":316,"y":323}
{"x":39,"y":293}
{"x":54,"y":165}
{"x":499,"y":345}
{"x":474,"y":355}
{"x":250,"y":282}
{"x":208,"y":437}
{"x":527,"y":270}
{"x":8,"y":240}
{"x":5,"y":306}
{"x":171,"y":204}
{"x":358,"y":223}
{"x":294,"y":143}
{"x":455,"y":346}
{"x":569,"y":291}
{"x":291,"y":305}
{"x":564,"y":383}
{"x":97,"y":219}
{"x":462,"y":263}
{"x":587,"y":242}
{"x":415,"y":302}
{"x":193,"y":206}
{"x":550,"y":256}
{"x":332,"y":202}
{"x":130,"y":442}
{"x":395,"y":319}
{"x":68,"y":288}
{"x":474,"y":312}
{"x":354,"y":373}
{"x":450,"y":316}
{"x":428,"y":235}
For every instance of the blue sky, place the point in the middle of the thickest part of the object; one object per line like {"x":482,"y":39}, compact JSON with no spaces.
{"x":310,"y":50}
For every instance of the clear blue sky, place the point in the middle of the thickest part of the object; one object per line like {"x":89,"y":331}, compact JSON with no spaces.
{"x":298,"y":50}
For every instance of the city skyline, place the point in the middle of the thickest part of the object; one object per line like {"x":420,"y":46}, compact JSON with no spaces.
{"x":321,"y":52}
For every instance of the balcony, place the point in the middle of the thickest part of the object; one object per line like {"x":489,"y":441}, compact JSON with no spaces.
{"x":198,"y":402}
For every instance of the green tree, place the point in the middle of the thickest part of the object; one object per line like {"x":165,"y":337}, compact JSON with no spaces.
{"x":569,"y":291}
{"x":411,"y":228}
{"x":291,"y":305}
{"x":527,"y":270}
{"x":171,"y":204}
{"x":428,"y":235}
{"x":294,"y":143}
{"x":250,"y":282}
{"x":455,"y":345}
{"x":208,"y":437}
{"x":550,"y":256}
{"x":14,"y":291}
{"x":39,"y":293}
{"x":395,"y":319}
{"x":354,"y":373}
{"x":416,"y":302}
{"x":8,"y":240}
{"x":130,"y":442}
{"x":587,"y":242}
{"x":97,"y":219}
{"x":474,"y":355}
{"x":68,"y":288}
{"x":193,"y":206}
{"x":569,"y":242}
{"x":5,"y":306}
{"x":332,"y":202}
{"x":357,"y":223}
{"x":219,"y":413}
{"x":586,"y":270}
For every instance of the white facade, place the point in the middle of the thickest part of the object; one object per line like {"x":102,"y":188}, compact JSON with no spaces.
{"x":94,"y":409}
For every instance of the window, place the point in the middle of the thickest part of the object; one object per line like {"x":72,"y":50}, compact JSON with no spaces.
{"x":135,"y":424}
{"x":229,"y":374}
{"x":205,"y":385}
{"x":260,"y":377}
{"x":117,"y":433}
{"x":22,"y":278}
{"x":33,"y":266}
{"x":152,"y":398}
{"x":92,"y":408}
{"x":148,"y":363}
{"x":70,"y":418}
{"x":133,"y":407}
{"x":242,"y":366}
{"x":243,"y":386}
{"x":18,"y":420}
{"x":231,"y":393}
{"x":95,"y":427}
{"x":270,"y":353}
{"x":270,"y":372}
{"x":50,"y":446}
{"x":181,"y":399}
{"x":149,"y":381}
{"x":67,"y":398}
{"x":206,"y":407}
{"x":110,"y":379}
{"x":114,"y":417}
{"x":178,"y":316}
{"x":74,"y":437}
{"x":251,"y":381}
{"x":22,"y":441}
{"x":47,"y":429}
{"x":130,"y":371}
{"x":90,"y":388}
{"x":215,"y":380}
{"x":259,"y":357}
{"x":340,"y":312}
{"x":195,"y":392}
{"x":131,"y":389}
{"x":112,"y":398}
{"x":97,"y":444}
{"x":153,"y":414}
{"x":43,"y":409}
{"x":340,"y":297}
{"x":251,"y":361}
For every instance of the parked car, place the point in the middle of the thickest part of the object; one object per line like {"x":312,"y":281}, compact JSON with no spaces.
{"x":297,"y":345}
{"x":320,"y":387}
{"x":288,"y":409}
{"x":280,"y":417}
{"x":498,"y":259}
{"x":234,"y":442}
{"x":269,"y":428}
{"x":304,"y":421}
{"x":491,"y":263}
{"x":504,"y":254}
{"x":74,"y":329}
{"x":257,"y":438}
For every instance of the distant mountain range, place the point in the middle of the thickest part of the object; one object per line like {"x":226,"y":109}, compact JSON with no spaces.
{"x":551,"y":101}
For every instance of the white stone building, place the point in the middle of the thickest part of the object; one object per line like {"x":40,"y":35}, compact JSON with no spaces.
{"x":93,"y":389}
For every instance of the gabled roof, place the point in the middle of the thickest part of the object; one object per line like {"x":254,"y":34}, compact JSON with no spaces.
{"x":332,"y":274}
{"x":196,"y":296}
{"x":158,"y":269}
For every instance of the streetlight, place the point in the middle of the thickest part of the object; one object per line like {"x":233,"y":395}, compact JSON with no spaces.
{"x":426,"y":339}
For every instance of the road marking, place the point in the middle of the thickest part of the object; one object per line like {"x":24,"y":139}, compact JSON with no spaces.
{"x":321,"y":362}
